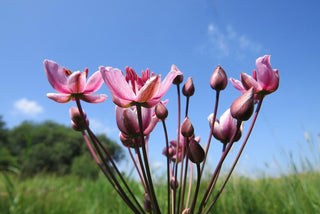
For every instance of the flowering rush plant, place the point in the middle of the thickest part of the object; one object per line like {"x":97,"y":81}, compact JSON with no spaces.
{"x":139,"y":107}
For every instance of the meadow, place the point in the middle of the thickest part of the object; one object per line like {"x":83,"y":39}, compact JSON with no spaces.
{"x":295,"y":193}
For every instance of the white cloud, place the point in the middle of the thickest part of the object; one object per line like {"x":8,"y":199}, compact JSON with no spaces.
{"x":27,"y":107}
{"x":225,"y":41}
{"x":98,"y":127}
{"x":217,"y":39}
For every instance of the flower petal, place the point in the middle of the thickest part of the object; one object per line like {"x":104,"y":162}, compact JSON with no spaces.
{"x":238,"y":85}
{"x":152,"y":122}
{"x":56,"y":76}
{"x":164,"y":87}
{"x":149,"y":90}
{"x":122,"y":94}
{"x":94,"y":82}
{"x":60,"y":98}
{"x":77,"y":82}
{"x":94,"y":98}
{"x":249,"y":82}
{"x":267,"y":77}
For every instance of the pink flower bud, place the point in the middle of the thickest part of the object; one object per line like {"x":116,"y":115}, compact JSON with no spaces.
{"x":225,"y":128}
{"x":195,"y":152}
{"x":219,"y":80}
{"x":76,"y":119}
{"x":187,"y":128}
{"x":188,"y":88}
{"x":174,"y":183}
{"x":242,"y":108}
{"x":179,"y":78}
{"x":161,"y":111}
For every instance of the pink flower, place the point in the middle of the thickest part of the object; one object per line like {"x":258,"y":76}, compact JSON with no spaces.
{"x":225,"y":128}
{"x":264,"y":80}
{"x":127,"y":121}
{"x":131,"y":89}
{"x":73,"y":85}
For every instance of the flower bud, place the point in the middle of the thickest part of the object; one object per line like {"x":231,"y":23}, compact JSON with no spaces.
{"x":76,"y":119}
{"x":242,"y":108}
{"x":179,"y":78}
{"x":188,"y":88}
{"x":187,"y":128}
{"x":161,"y":111}
{"x":219,"y":80}
{"x":174,"y":183}
{"x":195,"y":152}
{"x":147,"y":202}
{"x":168,"y":152}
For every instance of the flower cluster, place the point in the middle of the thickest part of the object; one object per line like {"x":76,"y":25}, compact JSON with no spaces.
{"x":139,"y":108}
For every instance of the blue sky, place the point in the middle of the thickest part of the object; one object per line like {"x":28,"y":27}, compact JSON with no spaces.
{"x":196,"y":36}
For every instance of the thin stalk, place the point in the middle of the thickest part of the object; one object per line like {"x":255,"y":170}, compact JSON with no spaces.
{"x":185,"y":177}
{"x":238,"y":155}
{"x":196,"y":190}
{"x":211,"y":131}
{"x":95,"y":140}
{"x":140,"y":162}
{"x":138,"y":170}
{"x":182,"y":175}
{"x":168,"y":164}
{"x":117,"y":170}
{"x":217,"y":170}
{"x":190,"y":184}
{"x":146,"y":162}
{"x":177,"y":148}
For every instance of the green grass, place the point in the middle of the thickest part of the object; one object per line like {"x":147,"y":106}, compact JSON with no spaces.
{"x":297,"y":193}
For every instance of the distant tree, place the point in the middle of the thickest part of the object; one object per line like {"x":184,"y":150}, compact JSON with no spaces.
{"x":3,"y":133}
{"x":51,"y":147}
{"x":7,"y":160}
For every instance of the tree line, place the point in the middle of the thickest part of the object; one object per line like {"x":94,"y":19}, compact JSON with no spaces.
{"x":49,"y":147}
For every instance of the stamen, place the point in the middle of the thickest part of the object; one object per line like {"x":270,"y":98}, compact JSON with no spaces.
{"x":67,"y":72}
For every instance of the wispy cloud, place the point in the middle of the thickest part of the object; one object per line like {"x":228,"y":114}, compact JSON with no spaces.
{"x":226,"y":41}
{"x":27,"y":107}
{"x":97,"y":126}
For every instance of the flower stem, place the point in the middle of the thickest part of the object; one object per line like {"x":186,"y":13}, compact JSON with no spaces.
{"x":146,"y":162}
{"x":110,"y":174}
{"x":177,"y":149}
{"x":211,"y":130}
{"x":217,"y":170}
{"x":196,"y":190}
{"x":168,"y":164}
{"x":238,"y":155}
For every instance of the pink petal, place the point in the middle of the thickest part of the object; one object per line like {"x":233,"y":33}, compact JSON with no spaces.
{"x":166,"y":83}
{"x":119,"y":119}
{"x":267,"y":77}
{"x":94,"y":98}
{"x":238,"y":85}
{"x":122,"y":94}
{"x":149,"y":90}
{"x":77,"y":82}
{"x":94,"y":83}
{"x":128,"y":121}
{"x":152,"y":123}
{"x":60,"y":98}
{"x":56,"y":76}
{"x":249,"y":82}
{"x":164,"y":87}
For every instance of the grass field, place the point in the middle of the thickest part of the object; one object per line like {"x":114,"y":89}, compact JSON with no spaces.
{"x":297,"y":193}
